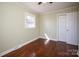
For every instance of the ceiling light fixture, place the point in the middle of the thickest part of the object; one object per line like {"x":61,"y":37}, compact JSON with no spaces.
{"x":39,"y":3}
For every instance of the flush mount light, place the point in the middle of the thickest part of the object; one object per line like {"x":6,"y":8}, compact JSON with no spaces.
{"x":39,"y":3}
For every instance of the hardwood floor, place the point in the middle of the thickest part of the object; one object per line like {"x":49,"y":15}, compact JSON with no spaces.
{"x":37,"y":48}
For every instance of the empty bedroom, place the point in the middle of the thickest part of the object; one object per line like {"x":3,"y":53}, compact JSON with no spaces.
{"x":39,"y":29}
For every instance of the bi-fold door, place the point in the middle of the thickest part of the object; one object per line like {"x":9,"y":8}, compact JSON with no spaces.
{"x":67,"y":27}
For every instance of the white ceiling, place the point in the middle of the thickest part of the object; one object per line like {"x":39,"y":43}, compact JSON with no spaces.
{"x":46,"y":7}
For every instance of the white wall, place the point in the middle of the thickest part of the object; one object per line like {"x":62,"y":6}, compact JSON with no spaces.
{"x":12,"y":31}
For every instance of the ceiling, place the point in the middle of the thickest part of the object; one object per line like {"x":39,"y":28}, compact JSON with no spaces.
{"x":46,"y":7}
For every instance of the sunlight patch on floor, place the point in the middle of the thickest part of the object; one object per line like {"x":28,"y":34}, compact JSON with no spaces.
{"x":46,"y":36}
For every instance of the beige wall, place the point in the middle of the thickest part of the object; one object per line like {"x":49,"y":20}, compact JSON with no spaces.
{"x":48,"y":25}
{"x":78,"y":24}
{"x":48,"y":21}
{"x":78,"y":29}
{"x":12,"y":31}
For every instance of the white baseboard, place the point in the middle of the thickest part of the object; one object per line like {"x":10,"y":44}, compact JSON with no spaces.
{"x":17,"y":47}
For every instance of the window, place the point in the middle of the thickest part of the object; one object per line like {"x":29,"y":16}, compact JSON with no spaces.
{"x":29,"y":21}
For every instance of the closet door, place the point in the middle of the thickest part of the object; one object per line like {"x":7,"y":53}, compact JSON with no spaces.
{"x":62,"y":27}
{"x":67,"y":28}
{"x":71,"y":28}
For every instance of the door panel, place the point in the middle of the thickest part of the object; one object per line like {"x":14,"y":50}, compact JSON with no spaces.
{"x":62,"y":28}
{"x":67,"y":28}
{"x":71,"y":34}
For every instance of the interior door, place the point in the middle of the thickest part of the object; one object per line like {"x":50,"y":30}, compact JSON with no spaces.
{"x":71,"y":28}
{"x":62,"y":27}
{"x":67,"y":28}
